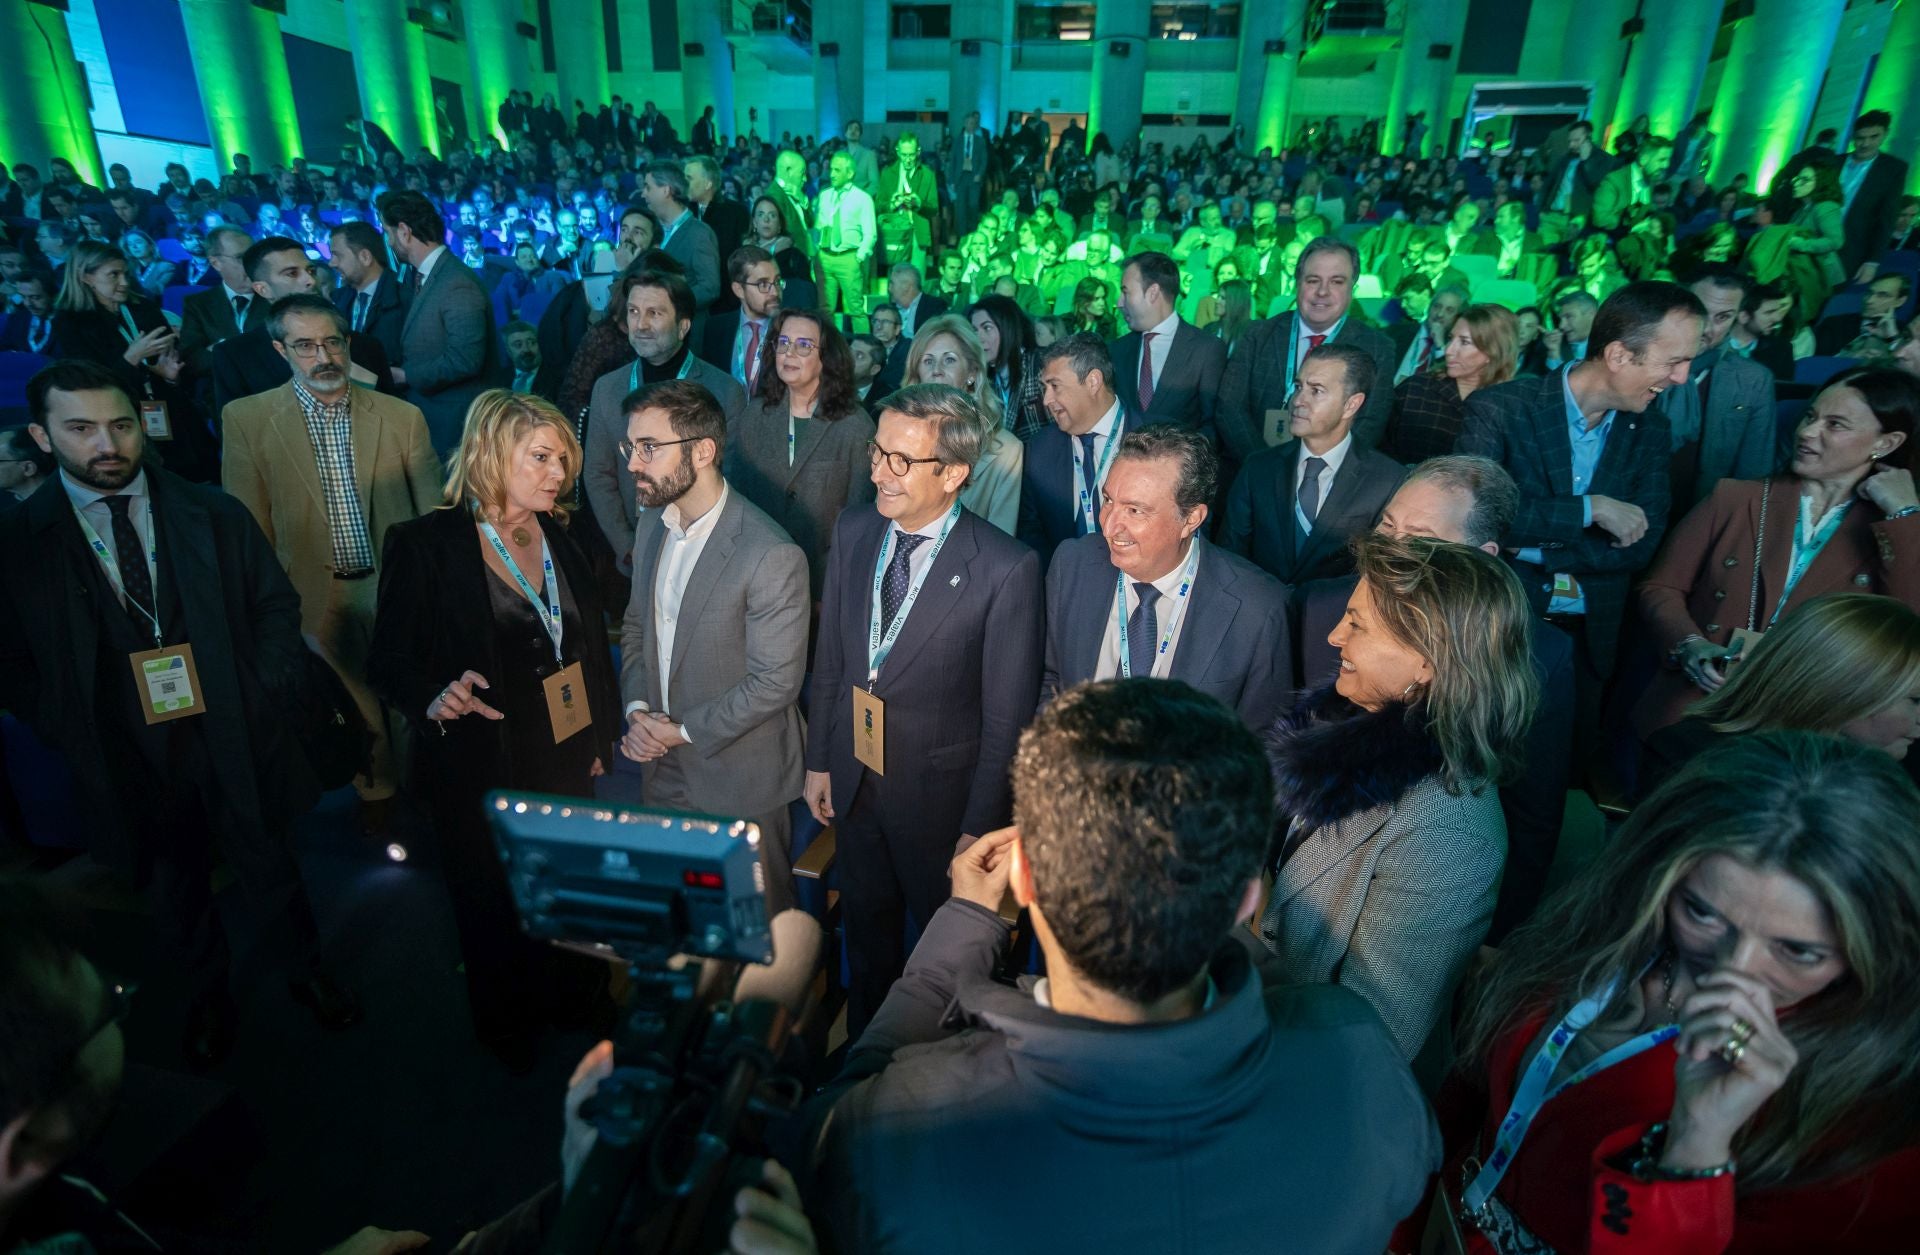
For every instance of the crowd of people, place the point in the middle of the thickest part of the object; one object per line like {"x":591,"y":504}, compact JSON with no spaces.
{"x":1217,"y":566}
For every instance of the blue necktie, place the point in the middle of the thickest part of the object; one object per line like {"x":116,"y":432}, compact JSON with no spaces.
{"x":360,"y":304}
{"x":1087,"y":472}
{"x":893,"y":590}
{"x":1143,"y":631}
{"x":131,"y":557}
{"x":1310,"y":489}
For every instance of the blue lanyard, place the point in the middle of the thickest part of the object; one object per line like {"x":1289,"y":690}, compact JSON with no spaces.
{"x":1088,"y":514}
{"x":1293,"y":344}
{"x":1174,"y":615}
{"x":878,"y":647}
{"x":111,"y":564}
{"x":1805,"y":551}
{"x":633,"y":376}
{"x":549,"y":609}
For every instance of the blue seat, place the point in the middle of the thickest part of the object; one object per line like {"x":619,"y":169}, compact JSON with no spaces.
{"x":1846,"y":300}
{"x":1786,"y":417}
{"x":1817,"y":370}
{"x":171,"y":249}
{"x":174,"y":298}
{"x":15,"y":370}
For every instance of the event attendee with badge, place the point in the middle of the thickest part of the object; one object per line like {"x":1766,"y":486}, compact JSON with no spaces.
{"x":150,"y":636}
{"x":489,"y":637}
{"x":926,"y":669}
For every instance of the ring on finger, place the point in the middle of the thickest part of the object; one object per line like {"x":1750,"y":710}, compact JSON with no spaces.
{"x":1742,"y":1030}
{"x":1732,"y":1051}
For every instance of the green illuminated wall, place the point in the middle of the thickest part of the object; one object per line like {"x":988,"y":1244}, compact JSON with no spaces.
{"x":580,"y":53}
{"x":390,"y":62}
{"x":240,"y":64}
{"x":1591,"y":51}
{"x":1770,"y":82}
{"x":1119,"y":83}
{"x":43,"y":101}
{"x":1423,"y":84}
{"x":1668,"y":62}
{"x":1266,"y":78}
{"x":496,"y":59}
{"x":1896,"y":81}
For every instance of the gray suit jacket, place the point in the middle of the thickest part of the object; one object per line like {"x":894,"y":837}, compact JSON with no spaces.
{"x":450,"y":355}
{"x":739,"y":653}
{"x":609,"y":486}
{"x":695,"y":246}
{"x":829,"y":472}
{"x":1392,"y":903}
{"x":1738,"y":433}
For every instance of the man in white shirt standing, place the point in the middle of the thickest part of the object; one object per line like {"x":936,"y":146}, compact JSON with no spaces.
{"x":846,"y":239}
{"x":714,"y":642}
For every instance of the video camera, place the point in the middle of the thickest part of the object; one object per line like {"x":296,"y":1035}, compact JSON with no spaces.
{"x":717,"y":992}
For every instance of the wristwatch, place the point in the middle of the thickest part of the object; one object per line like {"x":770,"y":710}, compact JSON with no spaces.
{"x":1904,"y":511}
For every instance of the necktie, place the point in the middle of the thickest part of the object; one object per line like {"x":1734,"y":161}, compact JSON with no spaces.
{"x":1143,"y":631}
{"x":1146,"y":370}
{"x":1087,"y":472}
{"x":1314,"y":342}
{"x":1310,"y":489}
{"x":893,"y":590}
{"x":240,"y":304}
{"x":132,"y":557}
{"x":360,"y":304}
{"x":750,"y":365}
{"x":38,"y":334}
{"x":967,"y":163}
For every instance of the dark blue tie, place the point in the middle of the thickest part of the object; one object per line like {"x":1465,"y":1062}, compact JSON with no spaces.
{"x":131,"y":557}
{"x":893,"y":589}
{"x":1087,"y":473}
{"x":1143,"y":631}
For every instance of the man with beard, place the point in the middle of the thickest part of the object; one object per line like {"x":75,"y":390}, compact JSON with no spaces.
{"x":711,"y":709}
{"x":150,"y":636}
{"x":530,"y":372}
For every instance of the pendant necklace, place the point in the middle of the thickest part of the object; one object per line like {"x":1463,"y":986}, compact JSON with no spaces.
{"x":522,"y":537}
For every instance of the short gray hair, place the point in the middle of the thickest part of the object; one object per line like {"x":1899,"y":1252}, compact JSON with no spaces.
{"x":1453,"y":289}
{"x":1327,"y":244}
{"x":905,"y":268}
{"x":307,"y":303}
{"x":1199,"y":464}
{"x":1496,"y":498}
{"x":958,"y":439}
{"x":671,"y":175}
{"x":707,"y":165}
{"x":1085,"y":352}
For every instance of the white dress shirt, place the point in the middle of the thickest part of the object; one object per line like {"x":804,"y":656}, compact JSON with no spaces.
{"x":428,"y":262}
{"x":846,"y":221}
{"x":910,"y":316}
{"x":1108,"y":664}
{"x":680,"y":551}
{"x":922,"y":556}
{"x":93,"y":503}
{"x":1334,"y":458}
{"x":1104,"y":431}
{"x":1161,"y":346}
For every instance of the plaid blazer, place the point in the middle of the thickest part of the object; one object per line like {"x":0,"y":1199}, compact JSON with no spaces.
{"x":1255,"y":381}
{"x":1427,"y":416}
{"x":1522,"y":424}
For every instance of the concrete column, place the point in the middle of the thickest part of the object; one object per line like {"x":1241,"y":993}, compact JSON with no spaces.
{"x":1667,"y":65}
{"x":839,"y":90}
{"x":1265,"y":100}
{"x":496,"y":59}
{"x":1119,"y":71}
{"x":1593,"y":50}
{"x":1895,"y":86}
{"x":1424,"y":83}
{"x":706,"y":79}
{"x":390,"y":63}
{"x":240,"y":65}
{"x":975,"y":81}
{"x":580,"y":55}
{"x":1772,"y":78}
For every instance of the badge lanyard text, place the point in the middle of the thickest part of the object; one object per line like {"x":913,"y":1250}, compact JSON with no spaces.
{"x":1174,"y":614}
{"x":878,"y":646}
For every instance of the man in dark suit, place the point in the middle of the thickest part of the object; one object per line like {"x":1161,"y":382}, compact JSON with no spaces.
{"x":916,"y":305}
{"x":1190,"y":611}
{"x":1178,"y":379}
{"x":1293,"y":507}
{"x":1420,"y":346}
{"x":967,"y":156}
{"x":1722,"y":418}
{"x":884,"y":322}
{"x":1509,"y":243}
{"x":1591,"y":460}
{"x":1256,"y":390}
{"x":908,"y":744}
{"x":1871,"y":184}
{"x":1578,"y":173}
{"x":449,"y":349}
{"x":788,"y":190}
{"x":370,"y":295}
{"x":526,"y":371}
{"x":1472,"y":501}
{"x":728,"y":218}
{"x":161,"y":664}
{"x":736,"y":340}
{"x":684,"y":237}
{"x":1067,"y":462}
{"x":28,"y":327}
{"x":248,"y":364}
{"x":1876,"y":318}
{"x":227,"y":308}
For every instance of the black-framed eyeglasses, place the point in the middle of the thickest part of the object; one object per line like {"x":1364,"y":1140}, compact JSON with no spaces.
{"x":763,"y":285}
{"x":898,"y":463}
{"x":647,"y":448}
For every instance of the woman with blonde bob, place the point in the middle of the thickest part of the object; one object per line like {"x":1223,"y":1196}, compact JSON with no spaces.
{"x":1430,"y":407}
{"x":1391,"y":838}
{"x":947,"y":350}
{"x":489,"y":637}
{"x":1710,"y":1041}
{"x":1847,"y":664}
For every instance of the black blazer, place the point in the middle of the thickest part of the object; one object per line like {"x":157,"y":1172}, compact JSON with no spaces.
{"x":1050,"y":491}
{"x":385,"y":316}
{"x":1260,"y":525}
{"x":236,"y":606}
{"x":16,"y":332}
{"x":716,"y":345}
{"x":959,"y":686}
{"x":926,"y":309}
{"x":248,"y":364}
{"x":1869,"y":224}
{"x":1255,"y":381}
{"x":1189,"y":385}
{"x":895,"y":369}
{"x":1233,"y":642}
{"x":730,"y":222}
{"x":97,"y":336}
{"x":206,"y":318}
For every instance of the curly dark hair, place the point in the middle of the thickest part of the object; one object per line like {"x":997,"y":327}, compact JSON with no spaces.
{"x":838,"y":396}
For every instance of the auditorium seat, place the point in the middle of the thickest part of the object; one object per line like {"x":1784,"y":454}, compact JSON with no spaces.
{"x":1817,"y":370}
{"x":174,"y":299}
{"x":171,"y":249}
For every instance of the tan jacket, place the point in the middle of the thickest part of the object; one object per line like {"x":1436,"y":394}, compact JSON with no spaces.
{"x":270,"y":466}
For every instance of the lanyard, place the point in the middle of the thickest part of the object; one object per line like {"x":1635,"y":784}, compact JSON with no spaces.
{"x":1806,"y":550}
{"x":1532,"y":1093}
{"x":132,"y":330}
{"x":1293,"y":347}
{"x":111,"y":565}
{"x":1089,"y":514}
{"x":1174,"y":615}
{"x":878,"y":647}
{"x":633,"y":376}
{"x":548,"y":609}
{"x":790,"y":428}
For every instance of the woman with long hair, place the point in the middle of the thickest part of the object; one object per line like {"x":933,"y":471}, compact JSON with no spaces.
{"x":1092,"y":308}
{"x":1234,"y":301}
{"x":150,"y":272}
{"x":1006,"y":338}
{"x":946,"y":350}
{"x":1430,"y":406}
{"x":1821,"y":233}
{"x":1709,"y":1041}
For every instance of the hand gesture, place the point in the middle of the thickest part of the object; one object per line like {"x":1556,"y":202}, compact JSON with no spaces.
{"x":1732,"y":1057}
{"x":457,"y":700}
{"x":150,"y":344}
{"x":1623,"y":520}
{"x":982,"y":870}
{"x":818,"y":792}
{"x":771,"y":1220}
{"x":1704,"y":662}
{"x":1889,"y":488}
{"x":169,"y":366}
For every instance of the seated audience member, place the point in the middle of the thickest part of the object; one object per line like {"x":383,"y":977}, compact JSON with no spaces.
{"x":526,"y":371}
{"x":1047,"y":329}
{"x":1531,"y":352}
{"x":1390,"y":837}
{"x":1430,"y":406}
{"x":1847,"y":665}
{"x":869,"y":359}
{"x":1722,"y":419}
{"x":1844,"y":517}
{"x":1573,"y":314}
{"x":1873,"y":329}
{"x":1013,"y":362}
{"x":1142,"y":810}
{"x":28,"y":326}
{"x":24,"y":466}
{"x":150,"y":272}
{"x":1422,"y":346}
{"x":946,"y":350}
{"x":1732,"y":987}
{"x":1757,"y":334}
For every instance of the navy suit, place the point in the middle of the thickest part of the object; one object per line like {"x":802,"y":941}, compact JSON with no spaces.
{"x":1050,"y":490}
{"x":1189,"y":386}
{"x":1260,"y":521}
{"x":958,"y":686}
{"x":1233,"y":640}
{"x":386,"y":313}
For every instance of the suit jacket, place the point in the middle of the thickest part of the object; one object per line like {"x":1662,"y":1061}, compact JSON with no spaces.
{"x":895,"y":369}
{"x":959,"y":684}
{"x":1050,"y":492}
{"x":959,"y":178}
{"x":739,"y":654}
{"x":925,"y":310}
{"x":1593,"y":171}
{"x":798,"y":216}
{"x":1255,"y":381}
{"x":1613,"y":199}
{"x":1189,"y":386}
{"x":247,"y":365}
{"x":1260,"y":523}
{"x":695,"y":246}
{"x":1233,"y":640}
{"x":386,"y":314}
{"x":1739,"y":435}
{"x":730,"y":222}
{"x":609,"y":487}
{"x":1870,"y":222}
{"x":716,"y":343}
{"x":220,"y":583}
{"x":270,"y":467}
{"x":206,"y":318}
{"x":1522,"y":424}
{"x":829,"y":472}
{"x":449,"y":348}
{"x":16,"y":332}
{"x":920,"y":183}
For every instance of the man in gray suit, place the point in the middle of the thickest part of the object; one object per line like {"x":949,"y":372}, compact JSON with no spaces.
{"x":1722,"y":417}
{"x":714,"y":643}
{"x":660,"y":314}
{"x":683,"y":236}
{"x":966,"y":168}
{"x":1177,"y":379}
{"x":448,"y":336}
{"x":1190,"y":611}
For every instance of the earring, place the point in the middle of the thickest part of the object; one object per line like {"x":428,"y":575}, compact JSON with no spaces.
{"x":970,"y":387}
{"x":1874,"y":456}
{"x":1406,"y":694}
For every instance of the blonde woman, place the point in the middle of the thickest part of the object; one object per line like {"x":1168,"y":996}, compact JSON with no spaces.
{"x":489,"y":637}
{"x":947,"y":350}
{"x":1390,"y":837}
{"x":1430,"y":407}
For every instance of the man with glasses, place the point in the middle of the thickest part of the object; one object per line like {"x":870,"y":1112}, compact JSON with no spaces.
{"x":248,"y":364}
{"x":374,"y":463}
{"x":927,"y":667}
{"x":660,"y":314}
{"x":884,"y":322}
{"x":734,"y":339}
{"x":227,"y":307}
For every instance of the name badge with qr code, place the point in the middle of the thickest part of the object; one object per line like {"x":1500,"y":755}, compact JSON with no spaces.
{"x":566,"y":692}
{"x":870,"y":731}
{"x":167,"y":682}
{"x":154,"y":420}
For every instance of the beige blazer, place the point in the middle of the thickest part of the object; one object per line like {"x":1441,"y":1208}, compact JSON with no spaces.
{"x":270,"y":466}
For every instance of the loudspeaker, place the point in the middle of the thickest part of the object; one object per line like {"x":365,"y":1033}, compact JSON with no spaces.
{"x":693,"y":50}
{"x":969,"y":47}
{"x":1632,"y":26}
{"x":1119,"y":48}
{"x":1439,"y":52}
{"x":527,"y":30}
{"x":1275,"y":46}
{"x":829,"y":50}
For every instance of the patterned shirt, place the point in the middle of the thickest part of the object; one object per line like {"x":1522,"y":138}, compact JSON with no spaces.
{"x":330,"y":427}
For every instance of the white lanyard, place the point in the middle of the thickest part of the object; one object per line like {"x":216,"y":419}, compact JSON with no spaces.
{"x":1089,"y":497}
{"x":1174,"y":615}
{"x":790,"y":429}
{"x":878,"y":647}
{"x":549,"y":609}
{"x":1293,"y":346}
{"x":111,"y":565}
{"x":1532,"y":1093}
{"x":633,"y":376}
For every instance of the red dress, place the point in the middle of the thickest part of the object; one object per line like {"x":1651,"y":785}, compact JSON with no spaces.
{"x":1563,"y":1184}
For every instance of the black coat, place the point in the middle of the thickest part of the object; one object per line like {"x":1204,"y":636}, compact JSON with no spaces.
{"x":386,"y":314}
{"x":730,"y":221}
{"x":1260,"y":522}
